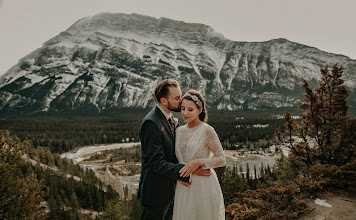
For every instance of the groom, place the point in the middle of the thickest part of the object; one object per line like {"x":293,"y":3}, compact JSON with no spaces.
{"x":160,"y":168}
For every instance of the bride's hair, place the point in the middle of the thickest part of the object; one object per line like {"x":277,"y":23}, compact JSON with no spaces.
{"x":197,"y":98}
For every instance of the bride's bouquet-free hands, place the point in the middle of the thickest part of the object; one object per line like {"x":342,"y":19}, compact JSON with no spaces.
{"x":199,"y":172}
{"x":194,"y":167}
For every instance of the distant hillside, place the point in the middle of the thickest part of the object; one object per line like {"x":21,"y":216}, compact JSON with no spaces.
{"x":112,"y":61}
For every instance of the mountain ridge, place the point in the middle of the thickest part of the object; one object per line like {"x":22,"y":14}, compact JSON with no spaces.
{"x":115,"y":60}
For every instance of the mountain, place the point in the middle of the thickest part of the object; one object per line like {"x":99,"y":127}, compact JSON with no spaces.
{"x":113,"y":61}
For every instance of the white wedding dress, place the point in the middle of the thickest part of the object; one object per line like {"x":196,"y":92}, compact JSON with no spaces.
{"x":203,"y":199}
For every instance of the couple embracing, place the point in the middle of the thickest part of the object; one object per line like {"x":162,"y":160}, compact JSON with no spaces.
{"x":177,"y":180}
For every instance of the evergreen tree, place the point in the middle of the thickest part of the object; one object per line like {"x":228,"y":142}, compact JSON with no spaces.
{"x":323,"y":143}
{"x":230,"y":183}
{"x":247,"y":173}
{"x":52,"y":207}
{"x":73,"y":200}
{"x":135,"y":208}
{"x":116,"y":210}
{"x":255,"y":171}
{"x":20,"y":197}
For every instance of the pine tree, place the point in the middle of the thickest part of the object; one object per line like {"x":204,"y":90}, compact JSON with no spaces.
{"x":255,"y":171}
{"x":241,"y":171}
{"x":20,"y":197}
{"x":247,"y":173}
{"x":116,"y":210}
{"x":52,"y":206}
{"x":73,"y":200}
{"x":135,"y":208}
{"x":324,"y":142}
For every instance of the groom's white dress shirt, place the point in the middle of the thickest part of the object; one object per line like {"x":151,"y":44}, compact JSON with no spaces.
{"x":164,"y":113}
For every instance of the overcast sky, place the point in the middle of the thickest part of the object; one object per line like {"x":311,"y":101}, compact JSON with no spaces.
{"x":325,"y":24}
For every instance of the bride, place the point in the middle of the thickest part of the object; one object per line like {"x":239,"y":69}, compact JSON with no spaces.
{"x":197,"y":145}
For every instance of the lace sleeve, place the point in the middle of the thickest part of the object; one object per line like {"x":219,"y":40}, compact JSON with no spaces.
{"x":213,"y":143}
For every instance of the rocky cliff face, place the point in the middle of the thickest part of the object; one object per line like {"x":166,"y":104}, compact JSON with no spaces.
{"x":118,"y":185}
{"x":112,"y":61}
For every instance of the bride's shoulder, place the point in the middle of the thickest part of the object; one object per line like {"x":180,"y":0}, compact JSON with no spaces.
{"x":209,"y":129}
{"x":208,"y":126}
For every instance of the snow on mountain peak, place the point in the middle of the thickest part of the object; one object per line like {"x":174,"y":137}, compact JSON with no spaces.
{"x":110,"y":61}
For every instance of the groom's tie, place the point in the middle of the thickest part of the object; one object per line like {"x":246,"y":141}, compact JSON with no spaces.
{"x":171,"y":124}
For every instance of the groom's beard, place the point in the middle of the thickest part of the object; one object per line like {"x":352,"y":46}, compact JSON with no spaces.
{"x":172,"y":108}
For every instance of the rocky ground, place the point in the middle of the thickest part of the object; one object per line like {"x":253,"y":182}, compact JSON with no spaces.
{"x":335,"y":207}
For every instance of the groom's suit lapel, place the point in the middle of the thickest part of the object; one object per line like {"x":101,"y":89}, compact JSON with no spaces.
{"x":164,"y":121}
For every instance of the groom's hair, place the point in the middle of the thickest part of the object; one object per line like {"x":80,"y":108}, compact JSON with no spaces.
{"x":161,"y":90}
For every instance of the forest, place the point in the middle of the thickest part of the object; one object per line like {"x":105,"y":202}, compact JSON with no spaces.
{"x":62,"y":134}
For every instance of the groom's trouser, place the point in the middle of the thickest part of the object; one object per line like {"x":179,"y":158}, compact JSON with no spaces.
{"x":160,"y":213}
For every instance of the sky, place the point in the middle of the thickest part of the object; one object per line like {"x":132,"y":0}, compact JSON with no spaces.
{"x":328,"y":25}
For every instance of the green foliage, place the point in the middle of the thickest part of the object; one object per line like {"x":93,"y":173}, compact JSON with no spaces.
{"x":117,"y":210}
{"x":65,"y":186}
{"x":241,"y":133}
{"x":135,"y":207}
{"x":20,"y":195}
{"x":83,"y":191}
{"x":279,"y":174}
{"x":279,"y":195}
{"x":123,"y":210}
{"x":324,"y":143}
{"x":322,"y":156}
{"x":64,"y":134}
{"x":230,"y":183}
{"x":66,"y":194}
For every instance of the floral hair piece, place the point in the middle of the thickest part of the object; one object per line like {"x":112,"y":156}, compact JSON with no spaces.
{"x":194,"y":98}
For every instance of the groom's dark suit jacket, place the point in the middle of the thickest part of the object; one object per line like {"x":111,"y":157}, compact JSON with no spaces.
{"x":159,"y":163}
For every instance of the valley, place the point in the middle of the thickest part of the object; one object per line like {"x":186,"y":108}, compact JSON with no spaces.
{"x":120,"y":174}
{"x":123,"y":173}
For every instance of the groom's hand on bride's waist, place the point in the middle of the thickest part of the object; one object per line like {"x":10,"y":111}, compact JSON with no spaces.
{"x":185,"y":183}
{"x":201,"y":172}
